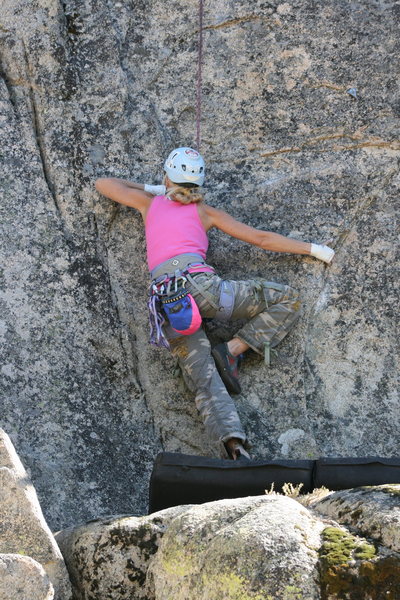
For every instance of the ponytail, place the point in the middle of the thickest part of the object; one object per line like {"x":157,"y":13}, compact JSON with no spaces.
{"x":184,"y":193}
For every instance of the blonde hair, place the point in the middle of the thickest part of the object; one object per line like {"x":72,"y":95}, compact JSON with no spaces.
{"x":183,"y":194}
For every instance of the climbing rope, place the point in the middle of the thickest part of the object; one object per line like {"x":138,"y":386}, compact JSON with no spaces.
{"x":199,"y":75}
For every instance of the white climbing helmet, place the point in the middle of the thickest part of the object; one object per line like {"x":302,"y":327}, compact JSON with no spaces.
{"x":185,"y":165}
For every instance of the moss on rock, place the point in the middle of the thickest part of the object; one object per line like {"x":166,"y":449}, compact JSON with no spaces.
{"x":351,"y":569}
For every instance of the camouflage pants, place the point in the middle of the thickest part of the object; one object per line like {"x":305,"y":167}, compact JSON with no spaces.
{"x":272,"y":309}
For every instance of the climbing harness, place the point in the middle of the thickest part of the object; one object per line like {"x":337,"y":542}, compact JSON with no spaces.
{"x":170,"y":302}
{"x":181,"y":262}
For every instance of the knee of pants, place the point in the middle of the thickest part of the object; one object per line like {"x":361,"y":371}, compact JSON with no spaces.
{"x":275,"y":293}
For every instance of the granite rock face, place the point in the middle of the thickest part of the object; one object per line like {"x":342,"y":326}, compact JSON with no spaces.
{"x":24,"y":531}
{"x":300,"y":132}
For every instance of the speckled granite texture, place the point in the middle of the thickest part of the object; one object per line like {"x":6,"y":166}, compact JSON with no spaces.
{"x":95,"y":88}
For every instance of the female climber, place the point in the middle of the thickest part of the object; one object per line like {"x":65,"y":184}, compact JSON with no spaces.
{"x":185,"y":289}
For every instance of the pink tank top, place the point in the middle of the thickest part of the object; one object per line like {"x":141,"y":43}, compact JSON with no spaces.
{"x":173,"y":228}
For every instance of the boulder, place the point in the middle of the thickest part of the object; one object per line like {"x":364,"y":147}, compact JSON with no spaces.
{"x":371,"y":512}
{"x":258,"y":548}
{"x":107,"y":559}
{"x":22,"y":578}
{"x":23,"y":529}
{"x":359,"y":553}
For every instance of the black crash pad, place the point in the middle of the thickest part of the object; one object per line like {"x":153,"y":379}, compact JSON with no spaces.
{"x":183,"y":479}
{"x":346,"y":473}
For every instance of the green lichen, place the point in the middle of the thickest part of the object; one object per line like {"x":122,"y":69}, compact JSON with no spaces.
{"x":291,"y":592}
{"x":222,"y":585}
{"x":175,"y":564}
{"x":350,"y":569}
{"x":230,"y":585}
{"x":222,"y":581}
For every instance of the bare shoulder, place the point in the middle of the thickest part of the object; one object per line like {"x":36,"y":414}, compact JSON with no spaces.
{"x":215,"y":216}
{"x":220,"y":219}
{"x":205,"y":213}
{"x":210,"y":216}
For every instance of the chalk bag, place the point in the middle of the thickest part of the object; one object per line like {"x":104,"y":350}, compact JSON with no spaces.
{"x":182,"y":312}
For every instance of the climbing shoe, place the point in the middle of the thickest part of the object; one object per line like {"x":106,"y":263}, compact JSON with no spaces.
{"x":237,"y":452}
{"x":227,"y":366}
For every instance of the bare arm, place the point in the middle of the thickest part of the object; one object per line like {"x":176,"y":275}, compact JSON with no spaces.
{"x":125,"y":192}
{"x":267,"y":240}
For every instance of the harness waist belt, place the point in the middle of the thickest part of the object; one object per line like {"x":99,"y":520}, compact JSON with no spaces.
{"x":177,"y":263}
{"x":174,"y":267}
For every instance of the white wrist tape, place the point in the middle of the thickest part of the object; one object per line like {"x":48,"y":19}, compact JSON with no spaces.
{"x":156,"y":190}
{"x":322,"y":252}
